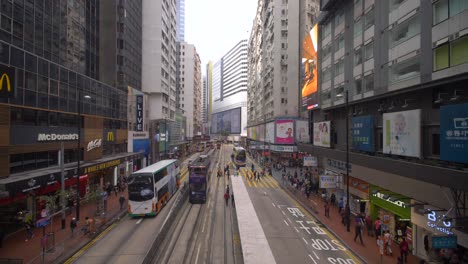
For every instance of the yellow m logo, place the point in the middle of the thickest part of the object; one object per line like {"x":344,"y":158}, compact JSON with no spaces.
{"x":5,"y":76}
{"x":110,"y":136}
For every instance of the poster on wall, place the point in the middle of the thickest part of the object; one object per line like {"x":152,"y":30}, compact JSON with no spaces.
{"x":285,"y":131}
{"x":302,"y":131}
{"x":328,"y":182}
{"x":402,"y":133}
{"x":454,"y":133}
{"x":322,"y":134}
{"x":261,"y":132}
{"x":363,"y":133}
{"x":270,"y":132}
{"x":254,"y":133}
{"x":309,"y":66}
{"x":310,"y":161}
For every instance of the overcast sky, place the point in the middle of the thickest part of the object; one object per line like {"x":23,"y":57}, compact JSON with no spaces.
{"x":215,"y":26}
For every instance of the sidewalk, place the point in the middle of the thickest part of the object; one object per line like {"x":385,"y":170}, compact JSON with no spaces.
{"x":15,"y":246}
{"x":315,"y":205}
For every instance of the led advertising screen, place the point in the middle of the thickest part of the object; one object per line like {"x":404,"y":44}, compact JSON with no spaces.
{"x":302,"y":131}
{"x":322,"y":134}
{"x":454,"y":133}
{"x":270,"y":132}
{"x":309,"y":64}
{"x":285,"y":131}
{"x":402,"y":133}
{"x":226,"y":121}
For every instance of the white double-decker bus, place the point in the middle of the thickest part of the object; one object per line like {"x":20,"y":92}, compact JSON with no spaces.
{"x":150,"y":188}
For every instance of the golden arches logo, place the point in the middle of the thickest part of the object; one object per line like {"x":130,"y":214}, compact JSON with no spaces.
{"x":110,"y":136}
{"x":8,"y":83}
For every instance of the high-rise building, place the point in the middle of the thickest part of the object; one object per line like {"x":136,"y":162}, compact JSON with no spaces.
{"x":191,"y":88}
{"x":159,"y":70}
{"x":392,"y":83}
{"x":50,"y":95}
{"x":229,"y":86}
{"x":120,"y":43}
{"x":180,"y":20}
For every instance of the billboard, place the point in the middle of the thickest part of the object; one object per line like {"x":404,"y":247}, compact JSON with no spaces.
{"x":309,"y":64}
{"x":261,"y":132}
{"x":363,"y":133}
{"x":310,"y":161}
{"x":402,"y":133}
{"x":285,"y":131}
{"x":270,"y":132}
{"x":454,"y":133}
{"x":322,"y":134}
{"x":226,"y":121}
{"x":302,"y":131}
{"x":328,"y":182}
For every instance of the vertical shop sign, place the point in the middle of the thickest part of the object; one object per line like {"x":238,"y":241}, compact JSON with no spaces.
{"x":139,"y":113}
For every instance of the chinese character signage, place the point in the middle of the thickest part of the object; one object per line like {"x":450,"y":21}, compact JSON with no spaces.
{"x":444,"y":242}
{"x":285,"y":131}
{"x":302,"y":131}
{"x":139,"y":113}
{"x":454,"y":133}
{"x":310,"y":161}
{"x":402,"y":133}
{"x":322,"y":134}
{"x":328,"y":182}
{"x":363,"y":133}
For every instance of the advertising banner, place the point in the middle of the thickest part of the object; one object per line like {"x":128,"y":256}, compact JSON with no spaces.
{"x":454,"y":133}
{"x":302,"y":131}
{"x":254,"y":133}
{"x":285,"y":131}
{"x":322,"y":134}
{"x":261,"y":132}
{"x":363,"y":133}
{"x":270,"y":132}
{"x":226,"y":121}
{"x":139,"y":113}
{"x":309,"y":65}
{"x":402,"y":133}
{"x":310,"y":161}
{"x":141,"y":145}
{"x":328,"y":182}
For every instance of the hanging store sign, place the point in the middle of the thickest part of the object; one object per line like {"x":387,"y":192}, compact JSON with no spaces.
{"x":444,"y":242}
{"x":139,"y":113}
{"x":97,"y":143}
{"x":328,"y":182}
{"x":454,"y":133}
{"x":7,"y":82}
{"x":310,"y":161}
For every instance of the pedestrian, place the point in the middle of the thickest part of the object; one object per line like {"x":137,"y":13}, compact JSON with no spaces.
{"x":333,"y":199}
{"x":377,"y":227}
{"x":388,"y":243}
{"x":116,"y":190}
{"x":369,"y":225}
{"x":121,"y":201}
{"x":358,"y":230}
{"x":327,"y":209}
{"x":404,"y":250}
{"x":73,"y":226}
{"x":232,"y":199}
{"x":29,"y":232}
{"x":253,"y":167}
{"x":226,"y":198}
{"x":380,"y":244}
{"x":85,"y":227}
{"x":227,"y":189}
{"x":340,"y":205}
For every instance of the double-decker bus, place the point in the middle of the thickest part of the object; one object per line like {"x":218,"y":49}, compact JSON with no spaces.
{"x":199,"y":176}
{"x":150,"y":188}
{"x":239,"y":157}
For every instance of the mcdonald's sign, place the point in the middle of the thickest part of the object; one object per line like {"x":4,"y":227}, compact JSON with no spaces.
{"x":7,"y":82}
{"x":110,"y":136}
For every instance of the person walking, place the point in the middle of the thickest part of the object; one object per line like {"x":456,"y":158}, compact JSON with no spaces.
{"x":121,"y":201}
{"x":232,"y":199}
{"x":404,"y":250}
{"x":369,"y":226}
{"x":227,"y":189}
{"x":340,"y":205}
{"x":226,"y":198}
{"x":388,"y":243}
{"x":253,"y":167}
{"x":333,"y":199}
{"x":327,"y":209}
{"x":358,"y":230}
{"x":377,"y":227}
{"x":29,"y":232}
{"x":73,"y":226}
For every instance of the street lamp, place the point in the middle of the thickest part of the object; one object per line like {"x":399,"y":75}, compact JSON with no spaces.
{"x":79,"y":155}
{"x":348,"y":211}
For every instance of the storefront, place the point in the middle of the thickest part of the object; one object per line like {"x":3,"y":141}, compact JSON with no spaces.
{"x":359,"y":196}
{"x":394,"y":211}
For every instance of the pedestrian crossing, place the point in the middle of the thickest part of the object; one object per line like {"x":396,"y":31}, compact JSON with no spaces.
{"x":266,"y":182}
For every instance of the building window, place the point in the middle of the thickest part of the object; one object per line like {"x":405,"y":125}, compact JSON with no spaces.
{"x":339,"y":67}
{"x":358,"y":56}
{"x":405,"y":69}
{"x":339,"y":42}
{"x":358,"y":27}
{"x":357,"y":86}
{"x":369,"y":19}
{"x":369,"y":50}
{"x":435,"y":144}
{"x":326,"y":96}
{"x":440,"y":11}
{"x":394,"y":4}
{"x":339,"y":91}
{"x":441,"y":57}
{"x":369,"y":82}
{"x":459,"y":51}
{"x":339,"y":18}
{"x":406,"y":30}
{"x":457,"y":6}
{"x":326,"y":51}
{"x":327,"y":30}
{"x":326,"y":74}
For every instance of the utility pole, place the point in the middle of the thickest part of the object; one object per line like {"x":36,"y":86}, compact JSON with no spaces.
{"x":348,"y":211}
{"x":62,"y":182}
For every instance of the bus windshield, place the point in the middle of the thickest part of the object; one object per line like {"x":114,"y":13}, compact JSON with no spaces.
{"x":140,"y":187}
{"x":241,"y":155}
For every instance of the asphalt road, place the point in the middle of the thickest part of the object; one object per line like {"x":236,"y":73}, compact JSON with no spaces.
{"x":293,"y":234}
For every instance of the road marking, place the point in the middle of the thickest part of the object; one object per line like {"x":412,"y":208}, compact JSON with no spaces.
{"x":296,"y":229}
{"x":273,"y":204}
{"x":283,"y":212}
{"x":305,"y":241}
{"x":139,"y":221}
{"x":204,"y":222}
{"x":260,"y":184}
{"x":290,"y":221}
{"x":310,"y":256}
{"x":315,"y":254}
{"x":286,"y":222}
{"x":198,"y":253}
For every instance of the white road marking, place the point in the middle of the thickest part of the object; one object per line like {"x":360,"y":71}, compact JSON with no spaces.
{"x":204,"y":222}
{"x":286,"y":222}
{"x":306,"y":241}
{"x":283,"y":212}
{"x":313,"y":201}
{"x":315,"y":254}
{"x":290,"y":221}
{"x":198,"y":253}
{"x":310,"y":256}
{"x":139,"y":221}
{"x":296,"y":229}
{"x":273,"y":204}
